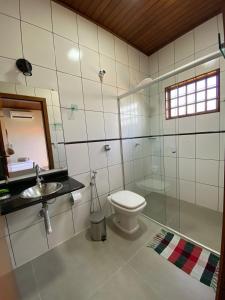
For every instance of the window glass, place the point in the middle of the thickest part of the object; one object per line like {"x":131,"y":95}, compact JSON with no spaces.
{"x":198,"y":95}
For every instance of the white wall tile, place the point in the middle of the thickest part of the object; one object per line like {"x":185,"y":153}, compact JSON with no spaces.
{"x":122,"y":75}
{"x":77,"y":158}
{"x":144,"y":63}
{"x":33,"y":40}
{"x":186,"y":125}
{"x":121,"y":51}
{"x":10,"y":8}
{"x":102,"y":182}
{"x":222,"y":146}
{"x":184,"y":46}
{"x":128,"y":172}
{"x":187,"y":146}
{"x":98,"y":157}
{"x":88,"y":34}
{"x":208,"y":122}
{"x":166,"y":56}
{"x":138,"y":169}
{"x":106,"y":42}
{"x":187,"y":169}
{"x":62,"y":228}
{"x":109,"y":66}
{"x":169,"y":126}
{"x":9,"y":72}
{"x":92,"y":95}
{"x":67,"y":56}
{"x":170,"y":165}
{"x":207,"y":196}
{"x":74,"y":125}
{"x":81,"y":217}
{"x":170,"y":146}
{"x":64,"y":22}
{"x":109,"y":94}
{"x":187,"y":191}
{"x":222,"y":115}
{"x":153,"y":63}
{"x":115,"y":177}
{"x":25,"y":246}
{"x":95,"y":125}
{"x":70,"y":90}
{"x":133,"y":58}
{"x":207,"y":171}
{"x":114,"y":155}
{"x":207,"y":146}
{"x":111,"y":125}
{"x":11,"y":47}
{"x":42,"y":78}
{"x":90,"y":65}
{"x":6,"y":87}
{"x":221,"y":174}
{"x":209,"y":27}
{"x":37,"y":13}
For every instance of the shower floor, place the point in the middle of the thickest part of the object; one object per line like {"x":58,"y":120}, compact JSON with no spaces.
{"x":121,"y":268}
{"x":199,"y":223}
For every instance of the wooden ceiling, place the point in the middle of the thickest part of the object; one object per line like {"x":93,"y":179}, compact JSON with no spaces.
{"x":148,"y":25}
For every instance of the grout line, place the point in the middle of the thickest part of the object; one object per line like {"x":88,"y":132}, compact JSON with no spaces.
{"x":143,"y":137}
{"x":35,"y":280}
{"x":10,"y":241}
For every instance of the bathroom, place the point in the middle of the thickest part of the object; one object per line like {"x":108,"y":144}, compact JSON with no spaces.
{"x":124,"y":123}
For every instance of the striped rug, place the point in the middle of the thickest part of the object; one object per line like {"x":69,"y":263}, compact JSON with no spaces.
{"x":196,"y":261}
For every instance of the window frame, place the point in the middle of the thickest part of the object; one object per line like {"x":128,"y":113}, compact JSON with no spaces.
{"x":195,"y":79}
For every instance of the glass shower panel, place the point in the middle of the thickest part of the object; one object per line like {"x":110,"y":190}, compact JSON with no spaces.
{"x":177,"y":164}
{"x":147,"y":170}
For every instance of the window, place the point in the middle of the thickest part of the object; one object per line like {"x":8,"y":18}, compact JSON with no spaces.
{"x":198,"y":95}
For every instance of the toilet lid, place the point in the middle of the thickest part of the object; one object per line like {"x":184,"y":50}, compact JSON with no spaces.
{"x":127,"y":199}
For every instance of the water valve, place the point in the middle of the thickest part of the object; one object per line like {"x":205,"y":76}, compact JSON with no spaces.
{"x":107,"y":147}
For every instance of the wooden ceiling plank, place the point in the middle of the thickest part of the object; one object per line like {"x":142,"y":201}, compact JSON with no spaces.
{"x":168,"y":13}
{"x":134,"y":13}
{"x":182,"y":18}
{"x":146,"y":24}
{"x":140,"y":20}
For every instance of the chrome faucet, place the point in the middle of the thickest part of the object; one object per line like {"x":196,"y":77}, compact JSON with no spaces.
{"x":38,"y":178}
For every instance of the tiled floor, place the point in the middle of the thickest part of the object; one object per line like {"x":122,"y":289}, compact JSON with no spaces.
{"x":119,"y":268}
{"x":186,"y":218}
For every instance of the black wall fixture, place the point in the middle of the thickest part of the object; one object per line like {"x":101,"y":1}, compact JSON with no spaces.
{"x":24,"y":66}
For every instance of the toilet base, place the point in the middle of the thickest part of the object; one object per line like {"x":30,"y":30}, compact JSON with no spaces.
{"x":129,"y":225}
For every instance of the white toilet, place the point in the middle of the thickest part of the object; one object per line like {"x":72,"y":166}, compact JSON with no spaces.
{"x":127,"y":206}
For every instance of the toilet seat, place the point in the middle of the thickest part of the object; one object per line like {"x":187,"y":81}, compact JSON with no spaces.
{"x":127,"y":200}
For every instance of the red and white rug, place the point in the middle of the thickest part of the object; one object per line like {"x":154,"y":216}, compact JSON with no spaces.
{"x":194,"y":260}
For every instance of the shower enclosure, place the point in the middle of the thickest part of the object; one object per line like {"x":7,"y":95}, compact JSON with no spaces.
{"x":177,"y":164}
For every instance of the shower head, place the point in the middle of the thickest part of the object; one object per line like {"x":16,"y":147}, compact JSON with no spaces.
{"x":145,"y":81}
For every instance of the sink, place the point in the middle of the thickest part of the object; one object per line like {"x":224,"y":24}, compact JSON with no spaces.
{"x":44,"y":189}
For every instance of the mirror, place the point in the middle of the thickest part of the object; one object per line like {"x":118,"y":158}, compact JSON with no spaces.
{"x":31,"y":132}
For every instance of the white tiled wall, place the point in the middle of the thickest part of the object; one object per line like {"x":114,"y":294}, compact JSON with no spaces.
{"x":67,"y":52}
{"x":189,"y":166}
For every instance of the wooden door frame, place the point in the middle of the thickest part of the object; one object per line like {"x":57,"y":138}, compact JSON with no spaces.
{"x":3,"y":156}
{"x":43,"y":103}
{"x":220,"y":293}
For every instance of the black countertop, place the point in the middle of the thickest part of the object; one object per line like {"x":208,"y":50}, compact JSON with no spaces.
{"x":15,"y":203}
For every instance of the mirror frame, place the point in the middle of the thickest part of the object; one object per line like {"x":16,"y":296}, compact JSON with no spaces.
{"x":43,"y":103}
